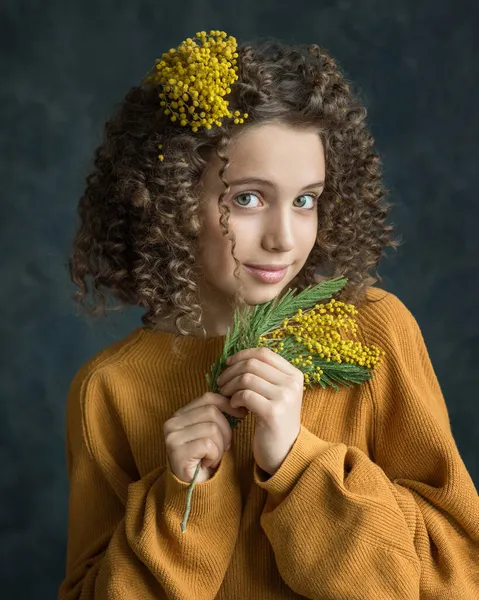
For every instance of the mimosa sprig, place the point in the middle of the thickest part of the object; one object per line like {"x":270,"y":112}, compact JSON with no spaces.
{"x":307,"y":335}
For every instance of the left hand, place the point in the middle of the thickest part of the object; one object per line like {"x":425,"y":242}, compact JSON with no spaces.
{"x":272,"y":389}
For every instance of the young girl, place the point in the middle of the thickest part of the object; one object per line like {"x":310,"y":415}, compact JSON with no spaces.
{"x":228,"y":176}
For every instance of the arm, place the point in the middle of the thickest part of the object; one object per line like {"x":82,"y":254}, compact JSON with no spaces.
{"x":405,"y":526}
{"x":124,"y":538}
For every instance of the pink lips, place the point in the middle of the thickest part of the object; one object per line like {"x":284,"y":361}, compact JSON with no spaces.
{"x":269,"y":267}
{"x":268,"y":276}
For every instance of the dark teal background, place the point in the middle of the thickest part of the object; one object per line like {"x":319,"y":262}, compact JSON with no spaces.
{"x":64,"y":65}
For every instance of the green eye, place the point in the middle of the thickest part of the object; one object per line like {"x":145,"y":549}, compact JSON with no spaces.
{"x":245,"y":197}
{"x":313,"y":198}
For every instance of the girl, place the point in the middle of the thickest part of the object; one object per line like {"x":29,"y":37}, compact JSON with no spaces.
{"x":228,"y":176}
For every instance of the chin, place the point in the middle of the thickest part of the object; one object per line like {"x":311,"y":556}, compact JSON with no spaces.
{"x":257,"y":293}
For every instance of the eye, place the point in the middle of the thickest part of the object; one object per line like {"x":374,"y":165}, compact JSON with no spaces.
{"x":244,"y":195}
{"x":312,"y":197}
{"x":242,"y":199}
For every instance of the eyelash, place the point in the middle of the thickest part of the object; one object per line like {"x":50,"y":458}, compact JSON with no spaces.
{"x":313,"y":196}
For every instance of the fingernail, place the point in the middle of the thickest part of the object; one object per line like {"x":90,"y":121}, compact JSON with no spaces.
{"x":228,"y":447}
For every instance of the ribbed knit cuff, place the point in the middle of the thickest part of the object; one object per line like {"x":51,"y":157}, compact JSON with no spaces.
{"x":305,"y":449}
{"x":217,"y":496}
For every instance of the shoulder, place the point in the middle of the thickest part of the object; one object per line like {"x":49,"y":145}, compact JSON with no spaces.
{"x":383,"y":304}
{"x":91,"y":392}
{"x":123,"y":368}
{"x":107,"y":389}
{"x":384,"y":318}
{"x":386,"y":322}
{"x":405,"y":377}
{"x":111,"y":358}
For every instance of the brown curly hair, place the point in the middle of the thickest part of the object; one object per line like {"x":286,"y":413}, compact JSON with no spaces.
{"x":140,"y":216}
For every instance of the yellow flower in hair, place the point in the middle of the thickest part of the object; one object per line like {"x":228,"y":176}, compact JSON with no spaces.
{"x":195,"y":78}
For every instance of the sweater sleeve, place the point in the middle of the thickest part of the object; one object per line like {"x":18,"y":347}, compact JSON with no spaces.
{"x":124,"y":537}
{"x":404,"y":526}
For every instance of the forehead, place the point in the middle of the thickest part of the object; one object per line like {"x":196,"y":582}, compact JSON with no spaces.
{"x":286,"y":156}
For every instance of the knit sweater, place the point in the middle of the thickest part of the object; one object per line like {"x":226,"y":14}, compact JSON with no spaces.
{"x":373,"y":500}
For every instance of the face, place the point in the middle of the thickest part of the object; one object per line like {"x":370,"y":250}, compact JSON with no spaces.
{"x":276,"y":177}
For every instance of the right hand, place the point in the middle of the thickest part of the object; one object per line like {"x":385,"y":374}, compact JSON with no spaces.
{"x":199,"y":431}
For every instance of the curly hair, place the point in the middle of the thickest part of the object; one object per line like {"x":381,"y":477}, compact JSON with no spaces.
{"x":140,"y":218}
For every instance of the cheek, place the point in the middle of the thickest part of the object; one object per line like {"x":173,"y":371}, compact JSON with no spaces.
{"x":215,"y":248}
{"x":307,"y":240}
{"x":312,"y":231}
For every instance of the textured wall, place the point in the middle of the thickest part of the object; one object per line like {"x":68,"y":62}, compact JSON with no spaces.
{"x":65,"y":65}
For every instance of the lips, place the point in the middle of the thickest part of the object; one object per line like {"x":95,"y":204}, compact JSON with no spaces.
{"x":265,"y":275}
{"x":272,"y":268}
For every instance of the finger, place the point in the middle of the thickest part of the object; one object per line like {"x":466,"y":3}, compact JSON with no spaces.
{"x":219,"y":400}
{"x":260,"y":406}
{"x":205,"y":414}
{"x":193,"y":452}
{"x":251,"y":382}
{"x":209,"y":432}
{"x":251,"y":365}
{"x":266,"y":355}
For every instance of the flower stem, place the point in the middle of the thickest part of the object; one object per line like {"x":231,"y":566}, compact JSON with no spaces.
{"x":188,"y":499}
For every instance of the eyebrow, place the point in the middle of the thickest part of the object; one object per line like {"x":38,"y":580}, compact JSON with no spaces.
{"x":258,"y":180}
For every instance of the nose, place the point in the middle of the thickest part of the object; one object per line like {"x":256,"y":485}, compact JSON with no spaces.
{"x":279,"y":232}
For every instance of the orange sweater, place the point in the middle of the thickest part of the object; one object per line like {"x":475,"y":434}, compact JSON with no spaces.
{"x":372,"y":502}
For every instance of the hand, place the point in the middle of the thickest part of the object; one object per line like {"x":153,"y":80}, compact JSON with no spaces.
{"x":272,"y":389}
{"x":199,"y":431}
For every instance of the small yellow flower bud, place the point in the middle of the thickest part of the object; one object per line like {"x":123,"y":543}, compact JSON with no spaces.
{"x":206,"y":70}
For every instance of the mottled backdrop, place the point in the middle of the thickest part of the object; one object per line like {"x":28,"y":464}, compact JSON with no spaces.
{"x":65,"y":65}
